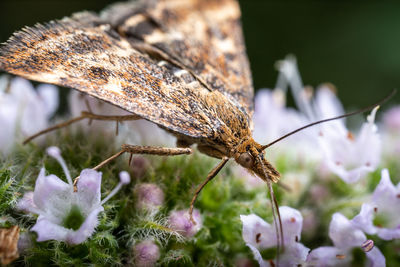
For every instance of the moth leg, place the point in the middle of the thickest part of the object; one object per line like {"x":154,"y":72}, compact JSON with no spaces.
{"x":210,"y":176}
{"x":148,"y":150}
{"x":84,"y":115}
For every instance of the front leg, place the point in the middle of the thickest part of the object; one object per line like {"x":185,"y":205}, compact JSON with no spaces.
{"x":148,"y":150}
{"x":210,"y":176}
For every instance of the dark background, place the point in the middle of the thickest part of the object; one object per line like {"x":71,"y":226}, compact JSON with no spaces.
{"x":353,"y":44}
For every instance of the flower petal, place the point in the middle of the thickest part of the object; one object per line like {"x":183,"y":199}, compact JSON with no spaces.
{"x":385,"y":193}
{"x":364,"y":220}
{"x":292,"y":223}
{"x":86,"y":229}
{"x":49,"y":95}
{"x":33,"y":116}
{"x":89,"y":194}
{"x":294,"y":255}
{"x":343,"y":233}
{"x":348,"y":157}
{"x":328,"y":257}
{"x":376,"y":258}
{"x":52,"y":196}
{"x":47,"y":230}
{"x":327,"y":104}
{"x":389,"y":233}
{"x":271,"y":118}
{"x":257,"y":232}
{"x":8,"y":121}
{"x":257,"y":255}
{"x":26,"y":204}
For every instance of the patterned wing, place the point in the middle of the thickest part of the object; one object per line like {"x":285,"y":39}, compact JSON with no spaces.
{"x":203,"y":36}
{"x":85,"y":53}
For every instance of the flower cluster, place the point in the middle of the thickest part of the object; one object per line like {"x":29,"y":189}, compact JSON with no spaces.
{"x":337,"y":151}
{"x":146,"y":133}
{"x":24,"y":110}
{"x":339,"y":205}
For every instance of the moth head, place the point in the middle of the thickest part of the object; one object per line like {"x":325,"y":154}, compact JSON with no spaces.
{"x":246,"y":160}
{"x":250,"y":155}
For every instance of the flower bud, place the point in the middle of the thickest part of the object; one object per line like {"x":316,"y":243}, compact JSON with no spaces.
{"x":149,"y":196}
{"x":146,"y":254}
{"x":180,"y":221}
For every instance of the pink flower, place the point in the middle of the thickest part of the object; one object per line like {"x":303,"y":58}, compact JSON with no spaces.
{"x":148,"y":196}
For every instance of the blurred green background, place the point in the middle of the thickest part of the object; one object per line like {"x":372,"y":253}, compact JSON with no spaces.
{"x":353,"y":44}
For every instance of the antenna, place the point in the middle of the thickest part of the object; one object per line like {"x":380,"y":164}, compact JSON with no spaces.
{"x":334,"y":118}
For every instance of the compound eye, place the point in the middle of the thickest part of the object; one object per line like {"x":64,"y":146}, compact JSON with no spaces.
{"x":246,"y":160}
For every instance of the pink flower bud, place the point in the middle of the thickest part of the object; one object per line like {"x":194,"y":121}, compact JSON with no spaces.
{"x":180,"y":221}
{"x":146,"y":254}
{"x":149,"y":196}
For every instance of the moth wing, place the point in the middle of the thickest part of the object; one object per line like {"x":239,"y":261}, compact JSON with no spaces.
{"x":85,"y":53}
{"x":203,"y":36}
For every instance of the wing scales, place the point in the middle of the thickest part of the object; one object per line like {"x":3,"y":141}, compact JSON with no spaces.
{"x":203,"y":36}
{"x":87,"y":55}
{"x":194,"y":95}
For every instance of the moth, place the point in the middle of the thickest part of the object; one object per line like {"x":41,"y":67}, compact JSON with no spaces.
{"x":180,"y":64}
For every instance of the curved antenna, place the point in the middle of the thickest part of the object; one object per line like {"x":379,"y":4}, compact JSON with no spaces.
{"x":331,"y":119}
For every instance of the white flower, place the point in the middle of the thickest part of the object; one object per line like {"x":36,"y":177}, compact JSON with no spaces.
{"x":272,"y":118}
{"x":391,"y":123}
{"x":391,"y":119}
{"x":23,"y":110}
{"x":381,"y":215}
{"x":259,"y":235}
{"x":347,"y":156}
{"x":65,"y":215}
{"x":345,"y":237}
{"x":134,"y":132}
{"x":79,"y":102}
